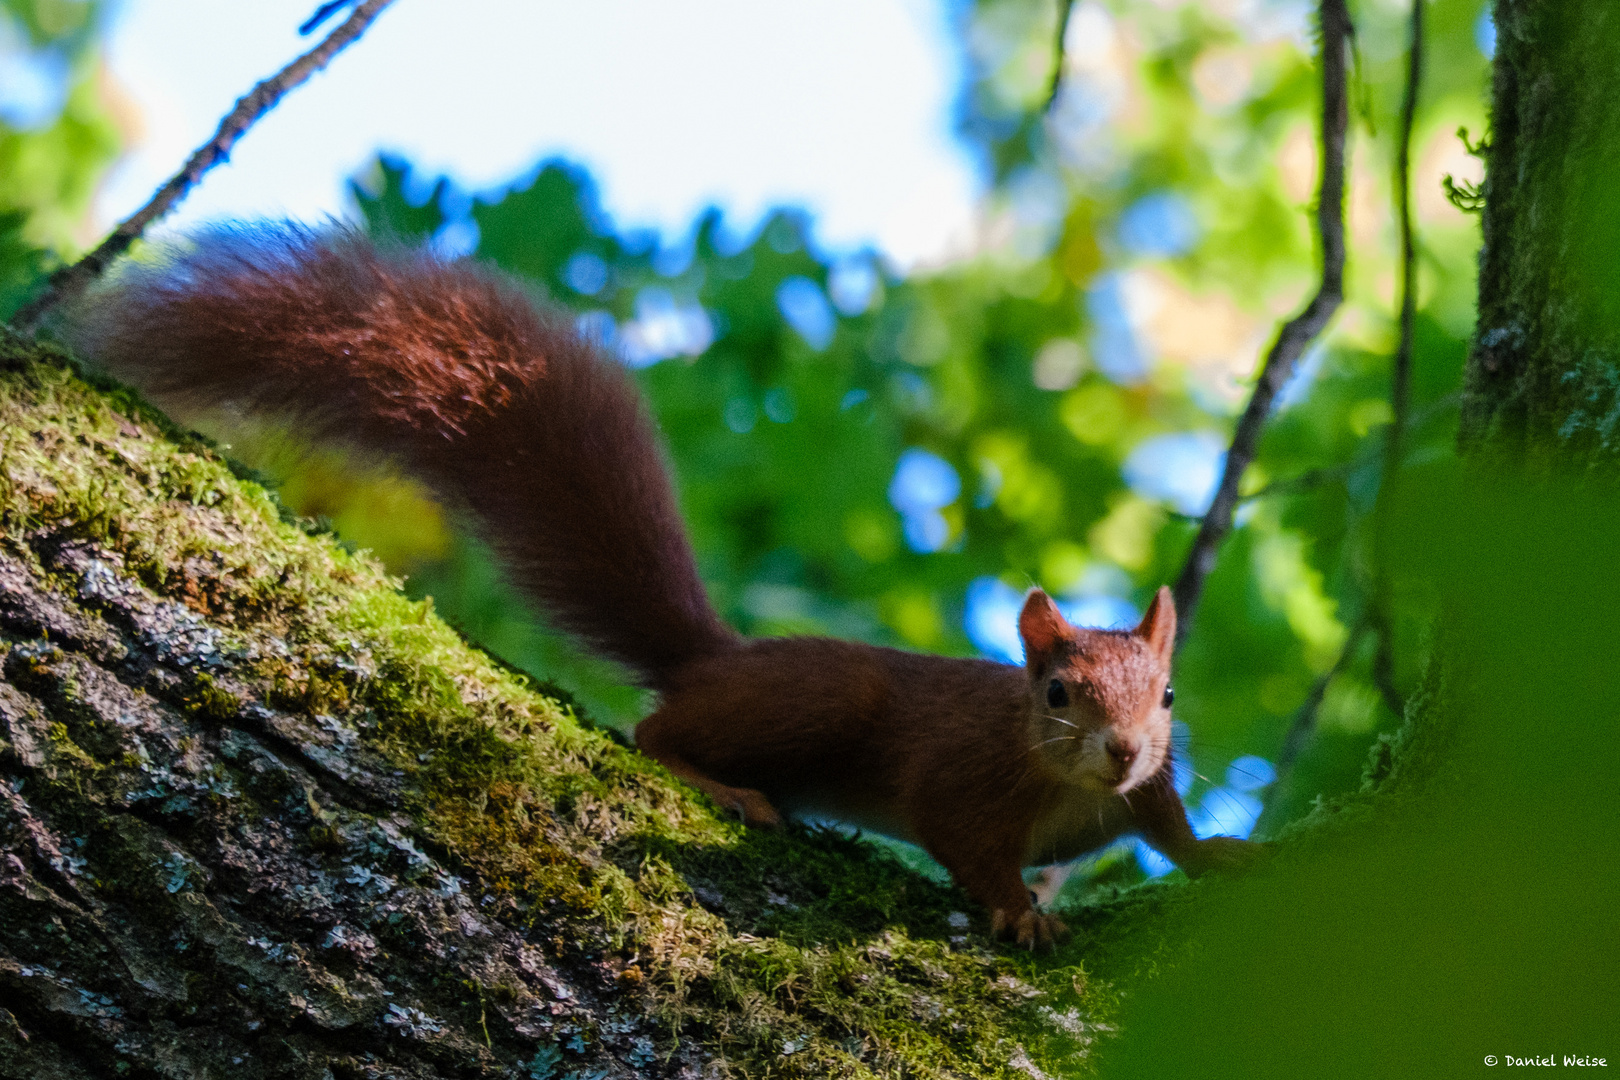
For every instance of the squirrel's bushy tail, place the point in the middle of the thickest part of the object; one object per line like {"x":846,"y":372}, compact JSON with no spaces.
{"x":497,"y":404}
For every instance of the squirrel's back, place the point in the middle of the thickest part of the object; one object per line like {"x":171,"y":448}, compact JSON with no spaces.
{"x":494,"y":401}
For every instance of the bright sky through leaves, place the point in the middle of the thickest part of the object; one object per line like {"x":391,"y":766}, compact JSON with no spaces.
{"x":841,"y":105}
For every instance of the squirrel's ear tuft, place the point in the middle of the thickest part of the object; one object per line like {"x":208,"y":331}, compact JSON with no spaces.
{"x":1158,"y":627}
{"x":1044,"y":629}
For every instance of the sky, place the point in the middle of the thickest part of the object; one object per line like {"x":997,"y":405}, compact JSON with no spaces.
{"x":843,"y":106}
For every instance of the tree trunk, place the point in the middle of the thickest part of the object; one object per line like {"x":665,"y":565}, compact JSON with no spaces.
{"x":262,"y":816}
{"x":1544,"y":374}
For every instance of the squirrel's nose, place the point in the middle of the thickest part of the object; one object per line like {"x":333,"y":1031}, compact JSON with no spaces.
{"x":1122,"y":751}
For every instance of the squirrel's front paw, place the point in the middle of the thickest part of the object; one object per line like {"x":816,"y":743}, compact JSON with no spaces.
{"x":1223,"y":853}
{"x":1028,"y":928}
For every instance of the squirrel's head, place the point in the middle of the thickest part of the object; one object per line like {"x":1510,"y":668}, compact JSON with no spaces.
{"x":1099,"y":699}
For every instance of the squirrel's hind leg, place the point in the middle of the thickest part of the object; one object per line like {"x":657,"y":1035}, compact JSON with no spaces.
{"x":751,"y":805}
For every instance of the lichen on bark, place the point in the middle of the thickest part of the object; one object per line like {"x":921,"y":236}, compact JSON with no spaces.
{"x":262,"y":815}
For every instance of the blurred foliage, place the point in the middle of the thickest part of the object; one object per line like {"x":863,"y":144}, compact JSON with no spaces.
{"x":1465,"y":911}
{"x":890,"y":456}
{"x":57,"y":135}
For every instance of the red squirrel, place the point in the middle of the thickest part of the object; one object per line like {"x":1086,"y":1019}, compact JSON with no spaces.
{"x":545,"y":444}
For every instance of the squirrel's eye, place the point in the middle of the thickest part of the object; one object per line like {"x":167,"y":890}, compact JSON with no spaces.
{"x":1056,"y":695}
{"x":1169,"y":696}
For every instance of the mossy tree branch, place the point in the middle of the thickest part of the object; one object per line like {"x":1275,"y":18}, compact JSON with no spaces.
{"x":262,"y":815}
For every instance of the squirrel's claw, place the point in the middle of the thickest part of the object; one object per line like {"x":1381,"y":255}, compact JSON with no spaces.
{"x":1031,"y":929}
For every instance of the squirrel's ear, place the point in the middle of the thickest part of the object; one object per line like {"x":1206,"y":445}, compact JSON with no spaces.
{"x":1158,"y":627}
{"x":1044,"y":629}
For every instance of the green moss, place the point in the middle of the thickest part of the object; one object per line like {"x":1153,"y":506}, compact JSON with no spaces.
{"x":209,"y":701}
{"x":799,"y":953}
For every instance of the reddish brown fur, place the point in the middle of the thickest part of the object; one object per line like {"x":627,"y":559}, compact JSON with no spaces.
{"x":496,"y":403}
{"x":503,"y":410}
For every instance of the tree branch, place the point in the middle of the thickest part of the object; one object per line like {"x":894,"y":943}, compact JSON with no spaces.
{"x":1304,"y":722}
{"x":1383,"y":667}
{"x":1401,"y":374}
{"x":322,"y":13}
{"x":1303,"y":726}
{"x":1305,"y":481}
{"x":71,"y":280}
{"x":1065,"y":9}
{"x":1383,"y":598}
{"x":1295,"y":335}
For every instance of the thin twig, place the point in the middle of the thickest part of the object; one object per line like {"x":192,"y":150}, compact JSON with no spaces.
{"x":1304,"y":722}
{"x":1065,"y":9}
{"x":322,"y":13}
{"x":1400,"y":393}
{"x":1383,"y":667}
{"x":1302,"y":727}
{"x":1308,"y":480}
{"x":1305,"y":481}
{"x":71,"y":280}
{"x":1433,"y":409}
{"x":1401,"y":373}
{"x":1295,"y":335}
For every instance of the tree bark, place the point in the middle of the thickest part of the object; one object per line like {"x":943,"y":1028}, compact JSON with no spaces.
{"x":1544,"y":371}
